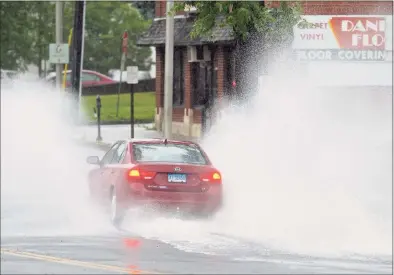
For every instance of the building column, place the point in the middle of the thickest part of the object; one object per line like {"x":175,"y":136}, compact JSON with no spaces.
{"x":159,"y":87}
{"x":221,"y":71}
{"x":188,"y":112}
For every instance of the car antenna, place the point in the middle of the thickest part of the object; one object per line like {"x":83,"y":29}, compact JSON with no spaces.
{"x":165,"y":141}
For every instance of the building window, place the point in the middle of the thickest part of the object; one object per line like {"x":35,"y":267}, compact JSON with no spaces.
{"x":198,"y":83}
{"x":204,"y":86}
{"x":179,"y":80}
{"x":230,"y":75}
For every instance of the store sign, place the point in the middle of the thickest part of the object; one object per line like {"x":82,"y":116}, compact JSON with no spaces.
{"x":345,"y":55}
{"x":363,"y":38}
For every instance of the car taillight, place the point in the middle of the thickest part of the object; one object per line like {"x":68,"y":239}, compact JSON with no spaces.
{"x":213,"y":177}
{"x":135,"y":173}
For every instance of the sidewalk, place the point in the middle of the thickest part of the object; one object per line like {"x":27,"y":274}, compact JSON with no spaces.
{"x":113,"y":133}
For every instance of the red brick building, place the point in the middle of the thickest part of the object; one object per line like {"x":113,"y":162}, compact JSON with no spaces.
{"x":202,"y":67}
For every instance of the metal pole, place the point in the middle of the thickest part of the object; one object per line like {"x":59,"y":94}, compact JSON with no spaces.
{"x":82,"y":53}
{"x":66,"y":65}
{"x":120,"y":83}
{"x":169,"y":67}
{"x":122,"y":64}
{"x":59,"y":40}
{"x":98,"y":106}
{"x":76,"y":56}
{"x":132,"y":110}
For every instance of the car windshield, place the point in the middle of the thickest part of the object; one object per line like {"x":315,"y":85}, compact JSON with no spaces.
{"x":173,"y":153}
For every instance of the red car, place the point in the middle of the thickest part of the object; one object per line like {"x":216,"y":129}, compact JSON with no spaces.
{"x":88,"y":78}
{"x":167,"y":174}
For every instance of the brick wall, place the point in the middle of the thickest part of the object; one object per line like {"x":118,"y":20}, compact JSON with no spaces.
{"x":177,"y":114}
{"x":326,"y":7}
{"x":188,"y":82}
{"x":160,"y":9}
{"x":221,"y":72}
{"x":348,"y":7}
{"x":197,"y":116}
{"x":159,"y":77}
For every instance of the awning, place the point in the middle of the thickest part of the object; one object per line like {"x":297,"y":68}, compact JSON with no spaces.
{"x":156,"y":34}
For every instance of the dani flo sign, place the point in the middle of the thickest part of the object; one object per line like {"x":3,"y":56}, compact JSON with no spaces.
{"x":347,"y":38}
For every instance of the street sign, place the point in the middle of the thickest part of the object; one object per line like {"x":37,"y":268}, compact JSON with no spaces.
{"x":58,"y":53}
{"x":132,"y":74}
{"x":124,"y":42}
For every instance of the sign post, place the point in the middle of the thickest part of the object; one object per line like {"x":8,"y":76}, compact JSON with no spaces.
{"x":132,"y":78}
{"x":122,"y":64}
{"x":98,"y":106}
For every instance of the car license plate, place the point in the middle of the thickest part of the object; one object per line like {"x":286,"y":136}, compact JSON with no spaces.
{"x":177,"y":178}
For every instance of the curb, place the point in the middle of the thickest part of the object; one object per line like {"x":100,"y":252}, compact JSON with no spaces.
{"x":105,"y":146}
{"x":117,"y":122}
{"x":95,"y":144}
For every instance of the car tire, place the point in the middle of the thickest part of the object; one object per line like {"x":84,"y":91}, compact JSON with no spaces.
{"x":116,"y":211}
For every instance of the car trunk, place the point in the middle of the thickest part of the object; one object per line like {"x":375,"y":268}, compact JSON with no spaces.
{"x":175,"y":177}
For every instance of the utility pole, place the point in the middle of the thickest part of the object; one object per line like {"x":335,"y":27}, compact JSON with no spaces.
{"x":59,"y":40}
{"x":81,"y":65}
{"x":169,"y":71}
{"x":77,"y":44}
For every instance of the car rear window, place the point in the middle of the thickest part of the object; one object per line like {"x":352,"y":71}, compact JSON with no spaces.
{"x":173,"y":153}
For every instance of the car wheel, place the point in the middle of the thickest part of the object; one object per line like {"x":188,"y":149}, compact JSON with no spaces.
{"x":116,"y":212}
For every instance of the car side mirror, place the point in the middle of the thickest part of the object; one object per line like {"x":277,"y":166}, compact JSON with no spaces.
{"x":93,"y":160}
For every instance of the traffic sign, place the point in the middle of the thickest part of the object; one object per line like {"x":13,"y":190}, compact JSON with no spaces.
{"x":124,"y":42}
{"x":58,"y":53}
{"x":132,"y":74}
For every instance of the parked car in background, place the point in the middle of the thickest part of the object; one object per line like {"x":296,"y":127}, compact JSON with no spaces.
{"x":88,"y":78}
{"x":142,"y":75}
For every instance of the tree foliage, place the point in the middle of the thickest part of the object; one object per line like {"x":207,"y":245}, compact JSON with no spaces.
{"x":244,"y":17}
{"x":16,"y":35}
{"x":146,"y":8}
{"x":104,"y":27}
{"x":27,"y":29}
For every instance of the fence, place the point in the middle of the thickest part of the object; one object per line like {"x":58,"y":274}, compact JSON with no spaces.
{"x":147,"y":85}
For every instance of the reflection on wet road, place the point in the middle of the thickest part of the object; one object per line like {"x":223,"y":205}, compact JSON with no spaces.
{"x":132,"y":255}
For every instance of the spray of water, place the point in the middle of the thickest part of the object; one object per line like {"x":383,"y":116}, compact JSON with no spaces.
{"x":43,"y":179}
{"x":310,"y":169}
{"x":306,"y":170}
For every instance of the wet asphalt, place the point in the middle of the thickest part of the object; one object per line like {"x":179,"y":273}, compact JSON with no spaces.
{"x":124,"y":253}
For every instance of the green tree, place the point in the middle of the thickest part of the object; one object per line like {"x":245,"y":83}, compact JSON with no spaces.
{"x":146,"y":8}
{"x":259,"y":31}
{"x":104,"y":27}
{"x":43,"y":30}
{"x":28,"y":27}
{"x":17,"y":35}
{"x":245,"y":18}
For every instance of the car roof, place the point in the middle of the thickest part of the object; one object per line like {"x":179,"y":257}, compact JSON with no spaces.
{"x":158,"y":141}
